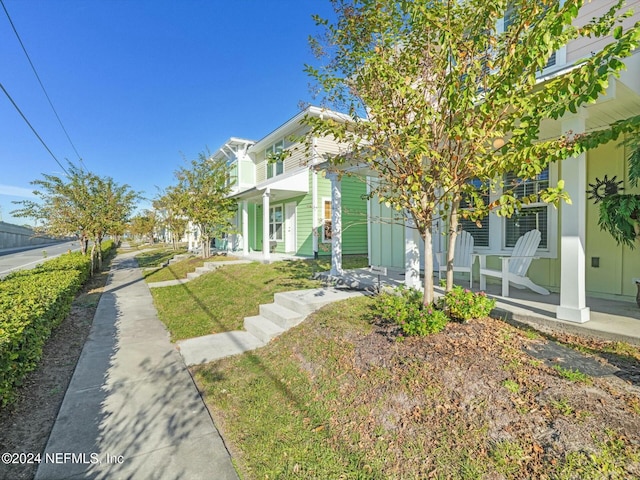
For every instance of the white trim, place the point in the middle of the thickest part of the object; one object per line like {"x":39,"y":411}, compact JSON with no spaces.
{"x":497,"y":226}
{"x":368,"y":185}
{"x":290,"y":228}
{"x":273,"y":208}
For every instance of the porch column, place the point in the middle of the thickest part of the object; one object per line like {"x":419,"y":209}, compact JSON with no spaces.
{"x":411,"y":254}
{"x":572,"y":244}
{"x":245,"y":227}
{"x":266,"y":255}
{"x":336,"y":224}
{"x":315,"y":232}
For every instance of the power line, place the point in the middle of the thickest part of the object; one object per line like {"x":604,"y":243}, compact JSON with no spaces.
{"x":31,"y":127}
{"x":40,"y":81}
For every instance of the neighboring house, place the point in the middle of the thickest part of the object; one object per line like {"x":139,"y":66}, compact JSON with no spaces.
{"x":284,"y":202}
{"x":577,"y":258}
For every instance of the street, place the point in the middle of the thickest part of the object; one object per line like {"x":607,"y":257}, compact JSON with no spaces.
{"x":25,"y":259}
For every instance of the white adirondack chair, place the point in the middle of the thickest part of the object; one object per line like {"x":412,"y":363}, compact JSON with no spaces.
{"x":514,"y":267}
{"x":462,"y":257}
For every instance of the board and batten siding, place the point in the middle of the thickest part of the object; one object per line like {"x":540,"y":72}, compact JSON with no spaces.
{"x":354,"y":216}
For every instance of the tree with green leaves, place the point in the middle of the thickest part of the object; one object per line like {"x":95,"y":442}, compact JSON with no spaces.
{"x":440,"y":98}
{"x":202,"y":195}
{"x":82,"y":204}
{"x":170,"y":216}
{"x":143,"y":225}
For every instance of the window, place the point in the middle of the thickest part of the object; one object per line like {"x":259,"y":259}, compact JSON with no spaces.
{"x":510,"y":16}
{"x":275,"y":223}
{"x":275,"y":165}
{"x":326,"y":222}
{"x":534,"y":216}
{"x":480,"y":234}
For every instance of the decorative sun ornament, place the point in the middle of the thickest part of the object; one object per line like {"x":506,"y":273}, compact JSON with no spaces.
{"x":603,"y":188}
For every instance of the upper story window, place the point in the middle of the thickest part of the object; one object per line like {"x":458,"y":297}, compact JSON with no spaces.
{"x":274,"y":160}
{"x":510,"y":16}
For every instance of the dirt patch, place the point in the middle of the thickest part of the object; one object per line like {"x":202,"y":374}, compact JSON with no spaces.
{"x":480,"y":377}
{"x":26,"y":424}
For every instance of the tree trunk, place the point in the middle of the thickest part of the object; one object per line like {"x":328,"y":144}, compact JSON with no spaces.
{"x":427,"y":298}
{"x":98,"y":243}
{"x":206,"y":249}
{"x":93,"y":250}
{"x":453,"y":233}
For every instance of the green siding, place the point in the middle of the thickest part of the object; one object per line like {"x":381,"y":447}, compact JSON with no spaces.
{"x":354,"y":216}
{"x":354,"y":211}
{"x":387,"y":236}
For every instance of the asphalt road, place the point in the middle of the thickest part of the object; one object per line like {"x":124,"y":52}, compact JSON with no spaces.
{"x":25,"y":259}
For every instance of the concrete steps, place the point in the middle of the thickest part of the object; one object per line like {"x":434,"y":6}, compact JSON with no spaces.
{"x":288,"y":310}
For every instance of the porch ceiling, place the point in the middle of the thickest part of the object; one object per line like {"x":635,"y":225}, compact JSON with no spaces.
{"x":621,"y":101}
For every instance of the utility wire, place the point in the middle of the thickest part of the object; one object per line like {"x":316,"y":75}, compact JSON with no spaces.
{"x":31,"y":127}
{"x":40,"y":81}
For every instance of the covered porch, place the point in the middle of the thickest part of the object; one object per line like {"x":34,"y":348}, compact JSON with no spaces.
{"x":275,"y":223}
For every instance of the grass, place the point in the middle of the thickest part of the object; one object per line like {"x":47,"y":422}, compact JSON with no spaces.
{"x":219,"y":301}
{"x":336,"y":398}
{"x":155,"y":257}
{"x":179,"y":270}
{"x":572,"y":375}
{"x":308,"y":406}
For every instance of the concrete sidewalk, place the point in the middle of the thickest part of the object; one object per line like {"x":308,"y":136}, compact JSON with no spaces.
{"x":132,"y":410}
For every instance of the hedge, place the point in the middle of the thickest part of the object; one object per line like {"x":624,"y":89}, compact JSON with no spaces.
{"x":33,"y":303}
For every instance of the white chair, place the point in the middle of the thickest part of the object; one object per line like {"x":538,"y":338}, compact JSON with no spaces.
{"x":515,"y":266}
{"x":462,"y":257}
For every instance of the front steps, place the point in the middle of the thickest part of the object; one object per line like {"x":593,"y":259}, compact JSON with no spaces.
{"x":206,"y":268}
{"x":211,"y":266}
{"x":288,"y":310}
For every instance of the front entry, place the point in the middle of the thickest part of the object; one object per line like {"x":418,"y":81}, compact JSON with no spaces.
{"x":290,"y":227}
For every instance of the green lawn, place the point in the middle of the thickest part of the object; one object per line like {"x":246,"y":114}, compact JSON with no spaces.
{"x":179,"y":270}
{"x":155,"y":257}
{"x":219,"y":301}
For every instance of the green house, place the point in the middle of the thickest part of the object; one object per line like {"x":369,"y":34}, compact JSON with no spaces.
{"x":285,"y":202}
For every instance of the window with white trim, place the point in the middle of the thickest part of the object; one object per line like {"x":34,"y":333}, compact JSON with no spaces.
{"x":479,"y":230}
{"x":326,"y":221}
{"x":500,"y":234}
{"x":275,"y":165}
{"x":276,"y":223}
{"x":532,"y":216}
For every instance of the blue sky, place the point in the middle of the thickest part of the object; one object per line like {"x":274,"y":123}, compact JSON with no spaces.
{"x":142,"y":85}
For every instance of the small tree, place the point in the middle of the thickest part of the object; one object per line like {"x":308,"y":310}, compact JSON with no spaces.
{"x":168,"y":205}
{"x":82,"y":204}
{"x":438,"y":96}
{"x":144,"y":225}
{"x":202,"y":193}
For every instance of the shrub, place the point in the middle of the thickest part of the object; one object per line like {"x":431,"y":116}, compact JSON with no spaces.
{"x":404,"y":307}
{"x":30,"y":307}
{"x":463,"y":304}
{"x":33,"y":303}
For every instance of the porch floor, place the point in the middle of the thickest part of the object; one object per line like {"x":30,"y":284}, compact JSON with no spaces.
{"x":610,"y":319}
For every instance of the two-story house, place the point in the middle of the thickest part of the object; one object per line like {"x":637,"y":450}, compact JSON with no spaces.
{"x":285,"y":203}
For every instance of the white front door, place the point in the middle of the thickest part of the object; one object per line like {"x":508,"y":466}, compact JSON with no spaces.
{"x":290,"y":227}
